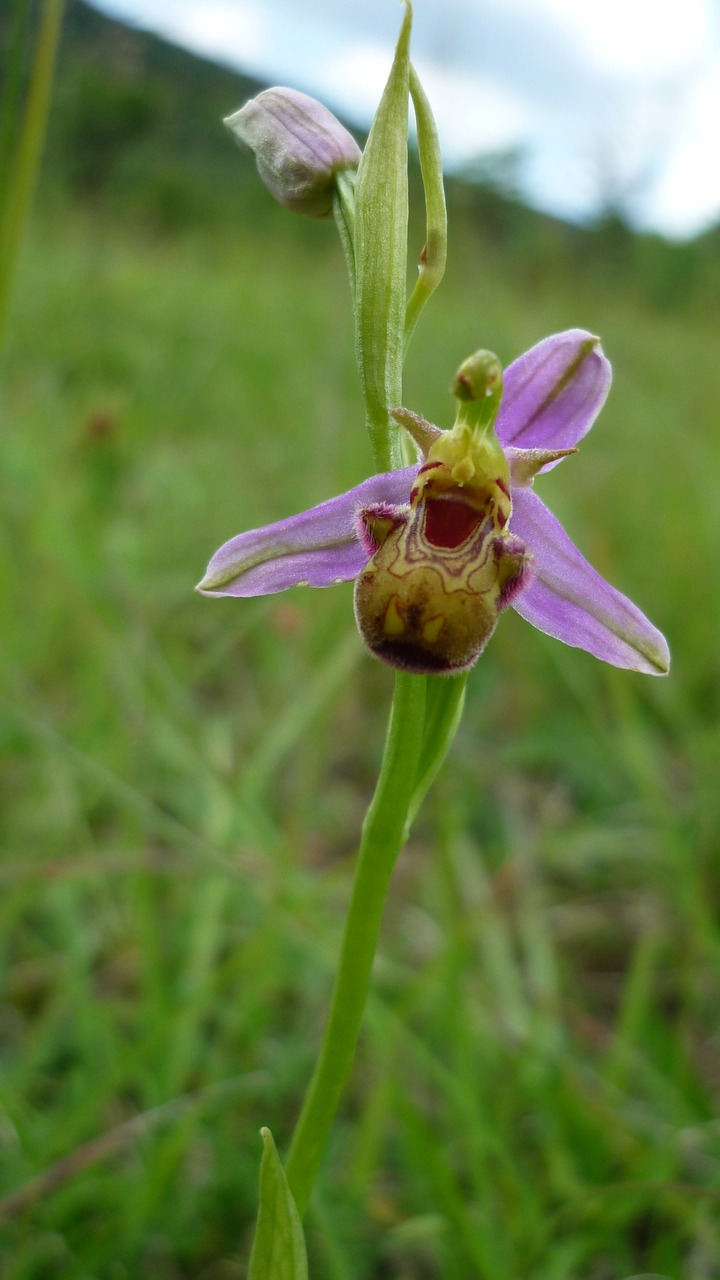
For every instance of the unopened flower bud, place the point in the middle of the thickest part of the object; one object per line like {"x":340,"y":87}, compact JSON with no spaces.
{"x":299,"y":147}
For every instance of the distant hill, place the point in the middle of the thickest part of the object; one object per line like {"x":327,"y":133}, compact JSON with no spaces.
{"x":139,"y":120}
{"x":136,"y":130}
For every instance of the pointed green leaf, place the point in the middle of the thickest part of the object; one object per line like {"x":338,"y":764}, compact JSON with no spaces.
{"x":278,"y":1251}
{"x":381,"y":217}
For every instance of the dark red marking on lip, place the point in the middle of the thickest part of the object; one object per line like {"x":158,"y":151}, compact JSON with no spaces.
{"x":501,"y":518}
{"x":501,"y":485}
{"x":449,"y":523}
{"x":428,"y":466}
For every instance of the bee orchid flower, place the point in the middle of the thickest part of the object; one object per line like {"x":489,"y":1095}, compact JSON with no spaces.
{"x":438,"y":550}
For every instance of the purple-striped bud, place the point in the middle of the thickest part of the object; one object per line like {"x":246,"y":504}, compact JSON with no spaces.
{"x":299,"y":147}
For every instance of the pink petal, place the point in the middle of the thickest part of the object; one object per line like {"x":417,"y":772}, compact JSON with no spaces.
{"x":568,"y":599}
{"x":315,"y":548}
{"x":553,"y":393}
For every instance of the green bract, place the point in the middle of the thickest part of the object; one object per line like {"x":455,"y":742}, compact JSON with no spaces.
{"x":381,"y":218}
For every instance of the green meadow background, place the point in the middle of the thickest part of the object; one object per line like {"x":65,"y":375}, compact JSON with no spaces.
{"x":537,"y":1089}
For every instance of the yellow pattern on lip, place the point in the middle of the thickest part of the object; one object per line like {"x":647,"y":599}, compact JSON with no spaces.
{"x":432,"y":629}
{"x":393,"y":624}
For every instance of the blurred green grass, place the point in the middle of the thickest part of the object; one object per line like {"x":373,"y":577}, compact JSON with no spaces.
{"x":183,"y":783}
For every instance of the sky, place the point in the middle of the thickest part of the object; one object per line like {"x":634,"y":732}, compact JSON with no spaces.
{"x":596,"y":103}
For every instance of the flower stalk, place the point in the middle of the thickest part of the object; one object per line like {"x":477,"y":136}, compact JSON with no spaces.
{"x":383,"y":836}
{"x":371,"y":213}
{"x":344,"y":214}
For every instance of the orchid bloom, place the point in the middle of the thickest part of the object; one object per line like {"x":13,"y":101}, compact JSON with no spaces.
{"x":439,"y":549}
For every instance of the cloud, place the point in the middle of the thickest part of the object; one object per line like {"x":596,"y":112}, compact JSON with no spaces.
{"x":630,"y":36}
{"x":686,"y":195}
{"x":603,"y":99}
{"x":218,"y":27}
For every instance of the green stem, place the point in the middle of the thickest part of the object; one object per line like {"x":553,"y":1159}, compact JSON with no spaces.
{"x":26,"y":158}
{"x":444,"y":706}
{"x":12,"y":89}
{"x":384,"y":834}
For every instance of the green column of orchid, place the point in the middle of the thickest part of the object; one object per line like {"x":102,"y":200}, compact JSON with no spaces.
{"x":371,"y":214}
